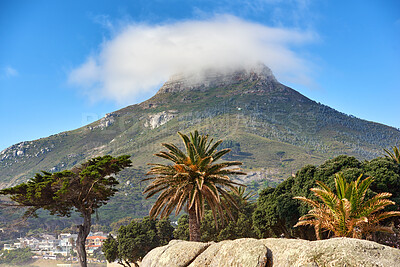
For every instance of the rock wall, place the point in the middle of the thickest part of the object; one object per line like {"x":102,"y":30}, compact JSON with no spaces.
{"x":248,"y":252}
{"x":156,"y":120}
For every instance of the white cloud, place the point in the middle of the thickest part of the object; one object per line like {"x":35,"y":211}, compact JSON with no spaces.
{"x":9,"y":72}
{"x":103,"y":20}
{"x":141,"y":57}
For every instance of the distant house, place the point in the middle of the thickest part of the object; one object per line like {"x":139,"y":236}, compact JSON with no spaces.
{"x":67,"y":236}
{"x":48,"y":243}
{"x":9,"y":247}
{"x":49,"y":247}
{"x":94,"y":242}
{"x":30,"y":242}
{"x":67,"y":243}
{"x":98,"y":234}
{"x":48,"y":237}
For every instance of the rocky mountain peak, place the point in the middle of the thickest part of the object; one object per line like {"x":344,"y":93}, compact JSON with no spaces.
{"x":214,"y":77}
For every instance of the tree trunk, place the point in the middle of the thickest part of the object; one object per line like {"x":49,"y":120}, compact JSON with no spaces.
{"x":194,"y":226}
{"x":84,"y":231}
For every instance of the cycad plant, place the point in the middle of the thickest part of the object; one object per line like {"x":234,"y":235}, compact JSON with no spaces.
{"x":347,"y":213}
{"x":192,"y":179}
{"x":395,"y":155}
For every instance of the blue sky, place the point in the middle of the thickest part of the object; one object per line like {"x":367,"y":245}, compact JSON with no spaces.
{"x":63,"y":64}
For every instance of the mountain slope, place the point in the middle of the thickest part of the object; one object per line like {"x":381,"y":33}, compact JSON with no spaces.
{"x":272,"y":128}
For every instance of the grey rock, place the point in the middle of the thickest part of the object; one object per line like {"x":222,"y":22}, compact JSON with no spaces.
{"x":156,"y":120}
{"x":331,"y":252}
{"x":279,"y":252}
{"x":240,"y":252}
{"x":177,"y":253}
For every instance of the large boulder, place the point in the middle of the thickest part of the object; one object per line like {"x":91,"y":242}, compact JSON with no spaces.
{"x":177,"y":253}
{"x":248,"y":252}
{"x":239,"y":252}
{"x":331,"y":252}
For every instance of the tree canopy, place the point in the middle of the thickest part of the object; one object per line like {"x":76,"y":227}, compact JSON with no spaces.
{"x":83,"y":189}
{"x":17,"y":257}
{"x":136,"y":239}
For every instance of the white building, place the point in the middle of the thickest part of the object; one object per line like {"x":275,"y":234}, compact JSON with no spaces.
{"x":8,"y":247}
{"x":67,"y":243}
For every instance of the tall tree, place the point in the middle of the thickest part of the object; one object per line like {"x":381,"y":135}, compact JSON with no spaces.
{"x":277,"y":212}
{"x":347,"y":213}
{"x":83,"y":189}
{"x":193,"y":179}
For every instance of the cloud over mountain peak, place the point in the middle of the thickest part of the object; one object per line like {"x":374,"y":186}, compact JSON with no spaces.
{"x":138,"y":59}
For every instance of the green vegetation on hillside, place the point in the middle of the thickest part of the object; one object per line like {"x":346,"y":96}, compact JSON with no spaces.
{"x":261,"y":114}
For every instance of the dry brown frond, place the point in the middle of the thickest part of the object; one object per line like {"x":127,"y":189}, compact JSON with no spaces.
{"x":349,"y":216}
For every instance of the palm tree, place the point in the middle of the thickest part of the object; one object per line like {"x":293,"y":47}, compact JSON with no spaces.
{"x":193,"y":179}
{"x":347,"y":213}
{"x":395,"y":156}
{"x":244,"y":195}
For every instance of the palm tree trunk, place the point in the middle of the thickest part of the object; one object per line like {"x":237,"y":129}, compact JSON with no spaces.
{"x":84,"y":231}
{"x":194,"y":226}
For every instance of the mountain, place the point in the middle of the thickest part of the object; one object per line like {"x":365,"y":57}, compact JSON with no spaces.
{"x":272,"y":128}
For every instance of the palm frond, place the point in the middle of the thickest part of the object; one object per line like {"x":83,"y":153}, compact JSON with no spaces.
{"x":174,"y":150}
{"x":340,"y":184}
{"x":217,"y":155}
{"x":213,"y":148}
{"x":194,"y":178}
{"x":395,"y":155}
{"x":328,"y":197}
{"x":346,"y":214}
{"x":308,"y":201}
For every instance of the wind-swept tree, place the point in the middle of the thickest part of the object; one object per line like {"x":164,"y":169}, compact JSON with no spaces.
{"x":347,"y":213}
{"x":83,"y":189}
{"x":395,"y":155}
{"x":193,"y":179}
